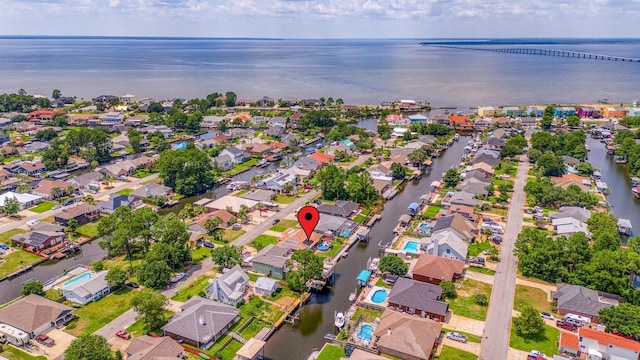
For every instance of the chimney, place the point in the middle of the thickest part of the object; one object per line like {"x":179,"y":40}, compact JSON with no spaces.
{"x":389,"y":331}
{"x":201,"y":319}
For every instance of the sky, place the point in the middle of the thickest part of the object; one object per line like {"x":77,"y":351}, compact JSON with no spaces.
{"x":323,"y":18}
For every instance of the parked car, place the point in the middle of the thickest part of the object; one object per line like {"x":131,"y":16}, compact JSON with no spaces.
{"x":456,"y":337}
{"x":56,"y":207}
{"x":132,"y":285}
{"x":208,"y":244}
{"x":546,"y":315}
{"x":488,"y":220}
{"x":537,"y":353}
{"x":534,"y":357}
{"x":497,"y":239}
{"x":237,"y":226}
{"x":123,"y":334}
{"x":308,"y":187}
{"x":566,"y":325}
{"x":477,"y":260}
{"x":275,"y":221}
{"x":4,"y":247}
{"x":178,"y":277}
{"x":539,"y":217}
{"x":45,"y":340}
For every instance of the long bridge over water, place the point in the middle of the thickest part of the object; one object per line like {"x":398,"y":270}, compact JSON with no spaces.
{"x":542,"y":52}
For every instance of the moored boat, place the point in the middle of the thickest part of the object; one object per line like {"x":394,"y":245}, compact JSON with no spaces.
{"x":339,"y":319}
{"x":456,"y":137}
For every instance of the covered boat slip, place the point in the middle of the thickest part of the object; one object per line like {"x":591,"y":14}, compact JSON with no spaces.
{"x":363,"y":277}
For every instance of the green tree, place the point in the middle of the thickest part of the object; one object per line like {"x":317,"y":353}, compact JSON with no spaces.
{"x":448,"y":289}
{"x":393,"y":265}
{"x":154,"y":274}
{"x":399,"y":171}
{"x":150,"y":306}
{"x":534,"y":155}
{"x":529,"y":324}
{"x":72,"y":224}
{"x":134,"y":140}
{"x":510,"y":151}
{"x":230,"y":98}
{"x":187,"y":171}
{"x":226,"y":256}
{"x":418,"y":156}
{"x":89,"y":347}
{"x":332,"y":180}
{"x":56,"y":94}
{"x":309,"y":266}
{"x":481,"y":299}
{"x":11,"y":206}
{"x":546,"y":121}
{"x":585,"y":169}
{"x":287,"y":188}
{"x":33,"y":287}
{"x":116,"y":277}
{"x":451,"y":178}
{"x":622,"y":319}
{"x":212,"y":223}
{"x":551,"y":165}
{"x":573,"y":121}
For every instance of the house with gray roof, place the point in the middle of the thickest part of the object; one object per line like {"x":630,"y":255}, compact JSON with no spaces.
{"x":290,"y":139}
{"x":147,"y":347}
{"x":275,"y":132}
{"x":457,"y":223}
{"x":39,"y":240}
{"x":237,"y":156}
{"x":278,"y":121}
{"x":276,"y":182}
{"x":114,"y":202}
{"x":271,"y":261}
{"x":87,"y":287}
{"x":88,"y":181}
{"x":225,"y":162}
{"x":464,"y":198}
{"x":445,"y":244}
{"x":574,"y":212}
{"x":419,"y":298}
{"x":228,"y":287}
{"x":151,"y":191}
{"x":474,"y":186}
{"x":342,"y":208}
{"x":580,"y":301}
{"x":486,"y":158}
{"x":307,"y":163}
{"x":266,"y":286}
{"x":260,"y":195}
{"x":201,"y":322}
{"x":34,"y":315}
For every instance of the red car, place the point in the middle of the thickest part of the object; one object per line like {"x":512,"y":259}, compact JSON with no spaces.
{"x":567,"y":326}
{"x":45,"y":340}
{"x":123,"y":335}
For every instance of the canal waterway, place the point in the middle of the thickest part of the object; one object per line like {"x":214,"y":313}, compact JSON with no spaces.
{"x":622,"y":202}
{"x":316,"y":318}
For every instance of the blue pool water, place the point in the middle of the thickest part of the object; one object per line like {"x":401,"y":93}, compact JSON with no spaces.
{"x":323,"y":247}
{"x":425,"y":228}
{"x":412,"y":247}
{"x":379,"y":296}
{"x":77,"y":278}
{"x":365,"y":333}
{"x":181,"y":145}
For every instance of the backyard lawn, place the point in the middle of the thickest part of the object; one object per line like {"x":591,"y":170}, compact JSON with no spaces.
{"x":263,"y":240}
{"x":9,"y":352}
{"x":93,"y":316}
{"x":331,"y":352}
{"x":527,"y":296}
{"x":88,"y":229}
{"x":476,"y":248}
{"x":229,"y":234}
{"x":284,"y":199}
{"x":465,"y":305}
{"x":367,"y":314}
{"x":43,"y":206}
{"x":125,"y":192}
{"x":283,"y":225}
{"x":546,"y":343}
{"x":262,"y":310}
{"x":450,"y":353}
{"x":194,"y":288}
{"x":16,"y":260}
{"x":200,"y":253}
{"x":5,"y":237}
{"x":431,"y":212}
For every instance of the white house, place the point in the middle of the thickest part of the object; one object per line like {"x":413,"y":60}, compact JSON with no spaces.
{"x":111,"y":118}
{"x":380,"y":172}
{"x":237,"y":156}
{"x":445,"y":244}
{"x":599,"y":345}
{"x":25,"y":200}
{"x":224,"y":161}
{"x":266,"y":286}
{"x":229,"y":288}
{"x":276,"y":182}
{"x":86,"y":287}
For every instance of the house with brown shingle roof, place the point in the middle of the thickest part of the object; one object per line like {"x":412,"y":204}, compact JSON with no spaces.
{"x":35,"y":314}
{"x":407,"y":337}
{"x":82,"y":213}
{"x":458,"y":224}
{"x":147,"y":347}
{"x":299,"y":238}
{"x":46,"y":188}
{"x":435,"y":269}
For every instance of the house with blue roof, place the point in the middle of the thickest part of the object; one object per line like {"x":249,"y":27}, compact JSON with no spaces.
{"x":413,"y":209}
{"x":348,"y":144}
{"x":563,"y":111}
{"x":418,"y":119}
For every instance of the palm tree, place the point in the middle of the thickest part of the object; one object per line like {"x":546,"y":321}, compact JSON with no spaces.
{"x":287,"y":188}
{"x":212,"y":224}
{"x":56,"y":192}
{"x":184,"y":214}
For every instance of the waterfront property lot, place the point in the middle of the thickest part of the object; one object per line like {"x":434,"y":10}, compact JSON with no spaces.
{"x":450,"y":353}
{"x":283,"y":225}
{"x":527,"y":296}
{"x":93,"y":316}
{"x":241,"y":167}
{"x":43,"y":206}
{"x":465,"y":303}
{"x":546,"y":343}
{"x":88,"y":229}
{"x":15,"y":260}
{"x":197,"y":287}
{"x":432,"y":211}
{"x":331,"y":352}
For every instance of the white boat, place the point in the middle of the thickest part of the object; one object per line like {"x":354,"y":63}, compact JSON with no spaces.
{"x":352,"y":296}
{"x":259,"y":173}
{"x":456,"y":137}
{"x":339,"y":319}
{"x":263,"y":163}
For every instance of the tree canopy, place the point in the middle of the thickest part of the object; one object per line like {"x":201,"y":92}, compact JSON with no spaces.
{"x":226,"y":256}
{"x":394,"y":265}
{"x":187,"y":171}
{"x":623,"y":319}
{"x":306,"y":266}
{"x":33,"y":287}
{"x":89,"y":347}
{"x":149,"y":304}
{"x":451,"y":178}
{"x":529,"y":324}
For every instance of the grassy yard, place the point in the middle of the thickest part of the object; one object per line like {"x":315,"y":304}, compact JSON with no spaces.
{"x":16,"y":260}
{"x":5,"y":237}
{"x":383,"y":283}
{"x":88,"y":229}
{"x":241,"y":167}
{"x":142,"y":173}
{"x":481,"y":270}
{"x":450,"y":353}
{"x":53,"y":294}
{"x":93,"y":316}
{"x":465,"y":305}
{"x":367,"y":314}
{"x":546,"y":343}
{"x":137,"y":328}
{"x":527,"y":296}
{"x":498,"y":182}
{"x":476,"y":248}
{"x":333,"y":250}
{"x":125,"y":192}
{"x":470,"y":337}
{"x":229,"y":352}
{"x":283,"y":225}
{"x":263,"y":240}
{"x":201,"y":253}
{"x":194,"y":288}
{"x":284,"y":199}
{"x":282,"y":292}
{"x":331,"y":352}
{"x":43,"y":206}
{"x":230,"y":234}
{"x":12,"y":353}
{"x":359,"y":218}
{"x":262,"y":310}
{"x":432,"y":211}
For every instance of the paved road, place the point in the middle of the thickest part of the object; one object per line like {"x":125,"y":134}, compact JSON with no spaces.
{"x":495,"y":342}
{"x":23,"y":221}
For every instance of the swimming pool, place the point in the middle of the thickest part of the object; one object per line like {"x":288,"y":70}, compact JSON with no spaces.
{"x":365,"y":333}
{"x":379,"y":296}
{"x":411,"y":246}
{"x":78,"y":278}
{"x":425,"y":228}
{"x":323,"y":247}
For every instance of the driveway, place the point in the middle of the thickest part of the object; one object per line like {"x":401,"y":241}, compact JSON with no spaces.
{"x":471,"y":347}
{"x":120,"y":323}
{"x":62,"y":340}
{"x":464,"y":324}
{"x":495,"y":342}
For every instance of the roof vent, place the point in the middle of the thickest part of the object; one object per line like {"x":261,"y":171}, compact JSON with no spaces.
{"x":202,"y":320}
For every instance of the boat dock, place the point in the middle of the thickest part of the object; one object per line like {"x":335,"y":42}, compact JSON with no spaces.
{"x":291,"y":314}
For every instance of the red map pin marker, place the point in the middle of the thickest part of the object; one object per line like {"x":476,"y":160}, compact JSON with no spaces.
{"x":308,"y":218}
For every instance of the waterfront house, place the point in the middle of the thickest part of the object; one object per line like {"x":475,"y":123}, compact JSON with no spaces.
{"x":307,"y":163}
{"x":580,"y":300}
{"x":563,"y":111}
{"x":114,"y":202}
{"x":418,"y":298}
{"x":445,"y":244}
{"x":228,"y":287}
{"x":271,"y":261}
{"x":589,"y":112}
{"x":291,"y":139}
{"x":324,"y":159}
{"x":33,"y":315}
{"x":535,"y":111}
{"x":147,"y":347}
{"x":82,"y":213}
{"x":256,"y":149}
{"x":483,"y":167}
{"x":486,"y":111}
{"x":237,"y":156}
{"x":342,"y":208}
{"x":111,"y":118}
{"x":232,"y":204}
{"x":53,"y":189}
{"x":458,"y":120}
{"x":440,"y":119}
{"x":24,"y":200}
{"x":152,"y":190}
{"x":513,"y":111}
{"x":380,"y":172}
{"x":225,"y":162}
{"x":407,"y":105}
{"x":39,"y":241}
{"x":407,"y":337}
{"x":615,"y":112}
{"x":598,"y":345}
{"x":276,"y":182}
{"x":30,"y":168}
{"x":278,"y":121}
{"x":87,"y":287}
{"x":266,"y":286}
{"x":297,"y":239}
{"x":494,"y":143}
{"x":200,"y":322}
{"x":434,"y":269}
{"x":418,"y":119}
{"x":458,"y":224}
{"x":128,"y":99}
{"x":492,"y":159}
